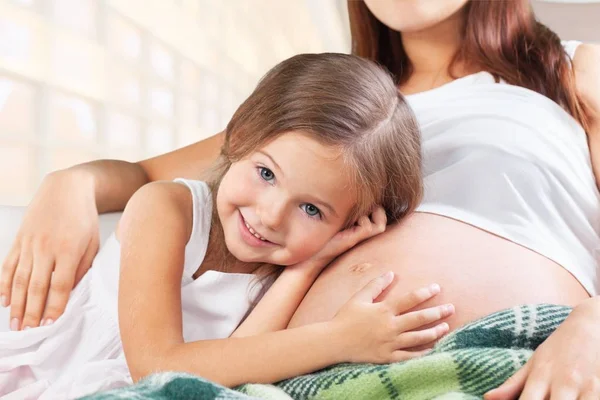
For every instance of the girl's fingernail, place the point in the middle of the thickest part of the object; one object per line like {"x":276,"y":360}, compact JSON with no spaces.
{"x":14,"y":324}
{"x":49,"y":321}
{"x":3,"y":301}
{"x":26,"y":328}
{"x":435,"y":288}
{"x":388,"y":275}
{"x":450,"y":308}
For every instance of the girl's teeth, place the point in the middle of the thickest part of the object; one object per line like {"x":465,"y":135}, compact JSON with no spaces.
{"x":256,"y":235}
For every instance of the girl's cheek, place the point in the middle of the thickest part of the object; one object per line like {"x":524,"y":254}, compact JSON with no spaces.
{"x":309,"y":244}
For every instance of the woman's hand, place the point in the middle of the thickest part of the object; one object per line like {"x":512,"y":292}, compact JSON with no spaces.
{"x":53,"y":250}
{"x":380,"y":332}
{"x":565,"y":366}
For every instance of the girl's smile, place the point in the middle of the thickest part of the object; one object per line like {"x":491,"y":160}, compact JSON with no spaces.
{"x":251,"y":236}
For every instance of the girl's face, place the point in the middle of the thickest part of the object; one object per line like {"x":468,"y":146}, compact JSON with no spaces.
{"x":284,"y":202}
{"x":413,"y":15}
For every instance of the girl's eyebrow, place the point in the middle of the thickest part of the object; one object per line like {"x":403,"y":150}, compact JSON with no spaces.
{"x":324,"y":204}
{"x":272,"y":160}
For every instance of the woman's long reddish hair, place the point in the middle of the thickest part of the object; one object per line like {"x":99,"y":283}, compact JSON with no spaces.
{"x":501,"y":37}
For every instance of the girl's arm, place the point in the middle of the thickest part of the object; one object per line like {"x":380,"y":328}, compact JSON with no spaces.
{"x":59,"y":237}
{"x":276,"y":308}
{"x":153,"y":232}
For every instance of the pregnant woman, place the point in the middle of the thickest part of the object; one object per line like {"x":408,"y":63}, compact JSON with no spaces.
{"x":511,"y":212}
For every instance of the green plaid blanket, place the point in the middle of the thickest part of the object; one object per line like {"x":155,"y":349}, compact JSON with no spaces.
{"x":464,"y":365}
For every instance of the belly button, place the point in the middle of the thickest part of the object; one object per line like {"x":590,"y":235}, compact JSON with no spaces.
{"x":359,"y":268}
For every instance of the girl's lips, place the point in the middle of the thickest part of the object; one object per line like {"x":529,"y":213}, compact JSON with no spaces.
{"x":249,"y":237}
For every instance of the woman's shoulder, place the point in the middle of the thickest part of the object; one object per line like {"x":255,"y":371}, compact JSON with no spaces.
{"x":586,"y":65}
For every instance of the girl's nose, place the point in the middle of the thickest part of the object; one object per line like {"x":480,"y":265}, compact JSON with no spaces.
{"x":272,"y":213}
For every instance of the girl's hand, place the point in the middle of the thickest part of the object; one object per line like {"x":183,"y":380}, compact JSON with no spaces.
{"x":565,"y":366}
{"x":53,"y":250}
{"x":365,"y":228}
{"x":379,"y":332}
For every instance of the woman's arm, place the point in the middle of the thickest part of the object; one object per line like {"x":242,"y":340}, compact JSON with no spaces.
{"x":59,"y":238}
{"x":567,"y":364}
{"x":586,"y":65}
{"x":153,"y":232}
{"x":116,"y":181}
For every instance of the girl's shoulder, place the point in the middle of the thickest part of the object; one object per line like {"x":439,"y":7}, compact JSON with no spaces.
{"x":156,"y":204}
{"x":178,"y":212}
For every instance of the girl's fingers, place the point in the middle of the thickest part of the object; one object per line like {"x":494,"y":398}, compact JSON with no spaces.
{"x":401,"y":355}
{"x":418,"y":338}
{"x":402,"y":302}
{"x":379,"y":218}
{"x":374,"y":288}
{"x":415,"y":319}
{"x":365,"y":226}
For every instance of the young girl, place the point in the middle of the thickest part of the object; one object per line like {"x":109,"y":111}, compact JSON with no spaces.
{"x":321,"y":155}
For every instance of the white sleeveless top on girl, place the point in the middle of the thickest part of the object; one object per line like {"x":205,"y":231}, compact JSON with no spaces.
{"x":81,"y":352}
{"x":512,"y":162}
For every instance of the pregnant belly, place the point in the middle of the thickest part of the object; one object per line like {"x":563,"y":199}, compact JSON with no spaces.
{"x":479,"y":272}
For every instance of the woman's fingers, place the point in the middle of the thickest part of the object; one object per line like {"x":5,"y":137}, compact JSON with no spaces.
{"x":417,"y":319}
{"x":418,"y":338}
{"x":61,"y":284}
{"x":9,"y":266}
{"x":20,"y":285}
{"x":537,"y":385}
{"x":87,"y":259}
{"x":512,"y":387}
{"x":37,"y":291}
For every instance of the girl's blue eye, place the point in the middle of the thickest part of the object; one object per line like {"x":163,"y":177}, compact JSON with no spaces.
{"x":266,"y":174}
{"x":311,"y":210}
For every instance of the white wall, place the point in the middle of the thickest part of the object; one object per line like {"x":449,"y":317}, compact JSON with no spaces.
{"x":129,"y":79}
{"x":571,"y":19}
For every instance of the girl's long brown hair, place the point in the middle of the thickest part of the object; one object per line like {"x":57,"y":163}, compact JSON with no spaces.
{"x":500,"y":36}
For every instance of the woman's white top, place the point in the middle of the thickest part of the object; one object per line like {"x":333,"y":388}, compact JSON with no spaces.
{"x":81,"y":352}
{"x":512,"y":162}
